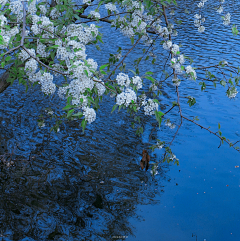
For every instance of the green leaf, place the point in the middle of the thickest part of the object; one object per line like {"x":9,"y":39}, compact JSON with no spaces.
{"x":8,"y":58}
{"x":70,"y":113}
{"x":114,"y":108}
{"x":83,"y":124}
{"x":103,"y":66}
{"x":149,"y":73}
{"x":132,"y":40}
{"x":67,"y":107}
{"x":150,"y":78}
{"x":85,"y":71}
{"x":103,"y":72}
{"x":79,"y":115}
{"x":223,"y":83}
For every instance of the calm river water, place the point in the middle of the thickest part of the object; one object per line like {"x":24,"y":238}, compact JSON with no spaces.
{"x":75,"y":186}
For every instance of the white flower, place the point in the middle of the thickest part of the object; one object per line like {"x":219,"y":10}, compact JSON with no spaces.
{"x":24,"y":55}
{"x":88,"y":2}
{"x":178,"y":69}
{"x":226,"y":19}
{"x":190,"y":70}
{"x":41,"y":124}
{"x":201,"y":29}
{"x":95,"y":14}
{"x":101,"y":88}
{"x":175,"y":49}
{"x":197,"y":16}
{"x":168,"y":123}
{"x":125,"y":98}
{"x":167,"y":45}
{"x":123,"y":79}
{"x":89,"y":114}
{"x":31,"y":66}
{"x":43,"y":9}
{"x":110,"y":7}
{"x":181,"y":59}
{"x":201,"y":5}
{"x":137,"y":81}
{"x":150,"y":107}
{"x":176,"y":81}
{"x":220,"y":10}
{"x":232,"y":92}
{"x":173,"y":62}
{"x":92,"y":63}
{"x":153,"y":87}
{"x":159,"y":145}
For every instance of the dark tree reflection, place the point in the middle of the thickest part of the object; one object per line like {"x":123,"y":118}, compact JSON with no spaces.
{"x":69,"y":185}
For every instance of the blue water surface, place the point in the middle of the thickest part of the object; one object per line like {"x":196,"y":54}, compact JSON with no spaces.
{"x":89,"y":186}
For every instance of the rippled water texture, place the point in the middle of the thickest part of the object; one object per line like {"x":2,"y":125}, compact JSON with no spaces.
{"x":75,"y":186}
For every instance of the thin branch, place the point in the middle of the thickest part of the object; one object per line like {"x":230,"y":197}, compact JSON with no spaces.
{"x":24,"y":24}
{"x":124,"y":57}
{"x":43,"y":63}
{"x":105,"y":85}
{"x":214,"y":133}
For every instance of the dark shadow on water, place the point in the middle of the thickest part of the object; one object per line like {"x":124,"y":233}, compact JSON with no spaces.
{"x":68,"y":185}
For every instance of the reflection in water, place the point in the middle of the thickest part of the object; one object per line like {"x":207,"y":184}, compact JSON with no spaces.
{"x":69,"y":185}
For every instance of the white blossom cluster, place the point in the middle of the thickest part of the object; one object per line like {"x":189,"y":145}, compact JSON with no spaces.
{"x":153,"y":87}
{"x":72,"y":49}
{"x":95,"y":14}
{"x":227,"y":19}
{"x":31,"y":66}
{"x":150,"y":107}
{"x":220,"y":8}
{"x":16,"y":7}
{"x":159,"y":145}
{"x":138,"y":22}
{"x":123,"y":80}
{"x":43,"y":9}
{"x":173,"y":157}
{"x":137,"y":81}
{"x":198,"y":23}
{"x":88,"y":2}
{"x":126,"y":97}
{"x":154,"y":171}
{"x":169,"y":124}
{"x":176,"y":63}
{"x":84,"y":34}
{"x":54,"y":14}
{"x":46,"y":26}
{"x":190,"y":71}
{"x":175,"y":49}
{"x":167,"y":45}
{"x":232,"y":92}
{"x":201,"y":3}
{"x":5,"y":33}
{"x":101,"y":88}
{"x":3,"y":20}
{"x":142,"y":100}
{"x":46,"y":81}
{"x":41,"y":49}
{"x":176,"y":81}
{"x":111,"y":7}
{"x":24,"y":55}
{"x":164,"y":31}
{"x":89,"y":114}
